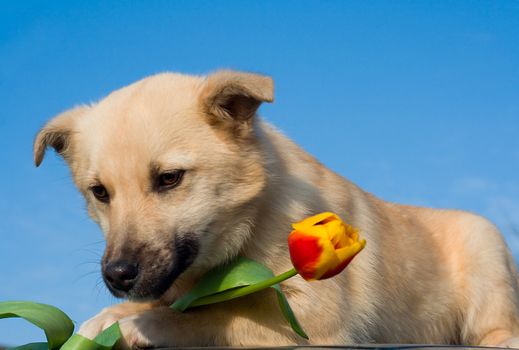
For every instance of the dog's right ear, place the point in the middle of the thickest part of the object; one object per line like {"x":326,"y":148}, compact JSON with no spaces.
{"x":57,"y":133}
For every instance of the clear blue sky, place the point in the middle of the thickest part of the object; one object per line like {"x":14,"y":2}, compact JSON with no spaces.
{"x":415,"y":101}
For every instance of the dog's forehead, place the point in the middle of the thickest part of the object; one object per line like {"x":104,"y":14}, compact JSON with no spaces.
{"x":147,"y":121}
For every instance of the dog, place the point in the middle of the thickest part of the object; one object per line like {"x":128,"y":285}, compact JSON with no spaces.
{"x":182,"y":175}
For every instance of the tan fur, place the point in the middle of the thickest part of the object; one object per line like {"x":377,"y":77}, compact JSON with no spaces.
{"x":426,"y":276}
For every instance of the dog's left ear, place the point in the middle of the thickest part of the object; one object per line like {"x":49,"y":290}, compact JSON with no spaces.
{"x":235,"y":96}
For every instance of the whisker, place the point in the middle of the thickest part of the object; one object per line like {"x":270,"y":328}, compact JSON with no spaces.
{"x":84,"y":275}
{"x":90,"y":262}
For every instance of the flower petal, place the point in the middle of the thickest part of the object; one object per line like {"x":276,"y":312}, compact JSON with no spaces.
{"x":304,"y":253}
{"x":345,"y":256}
{"x":335,"y":230}
{"x":313,"y":220}
{"x":328,"y":258}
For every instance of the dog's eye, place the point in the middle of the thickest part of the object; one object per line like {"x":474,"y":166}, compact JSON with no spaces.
{"x":100,"y":192}
{"x":169,"y":179}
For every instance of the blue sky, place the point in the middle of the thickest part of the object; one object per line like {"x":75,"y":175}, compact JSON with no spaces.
{"x":415,"y":101}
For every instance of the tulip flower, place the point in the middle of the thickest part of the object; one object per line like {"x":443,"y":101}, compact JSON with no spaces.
{"x":322,"y":246}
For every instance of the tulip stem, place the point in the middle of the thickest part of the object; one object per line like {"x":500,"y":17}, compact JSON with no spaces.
{"x":241,"y":291}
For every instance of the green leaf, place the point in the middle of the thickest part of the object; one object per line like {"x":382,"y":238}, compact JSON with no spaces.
{"x":236,"y":279}
{"x":104,"y":340}
{"x":31,"y":346}
{"x":55,"y":323}
{"x":241,"y":272}
{"x":289,"y":313}
{"x":109,"y":336}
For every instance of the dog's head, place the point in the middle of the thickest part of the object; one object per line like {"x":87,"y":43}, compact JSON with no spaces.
{"x":169,"y":167}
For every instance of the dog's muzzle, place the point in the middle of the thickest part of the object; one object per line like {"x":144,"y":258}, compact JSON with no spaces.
{"x":145,"y":273}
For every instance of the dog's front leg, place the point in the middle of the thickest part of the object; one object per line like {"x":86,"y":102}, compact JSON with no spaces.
{"x":249,"y":321}
{"x":112,"y":314}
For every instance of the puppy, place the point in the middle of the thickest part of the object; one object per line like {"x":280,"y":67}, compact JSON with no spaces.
{"x":182,"y":175}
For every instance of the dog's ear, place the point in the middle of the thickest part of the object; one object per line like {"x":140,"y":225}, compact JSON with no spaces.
{"x":57,"y":133}
{"x":235,"y":96}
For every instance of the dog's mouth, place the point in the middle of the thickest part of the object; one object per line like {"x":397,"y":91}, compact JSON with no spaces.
{"x":148,"y":273}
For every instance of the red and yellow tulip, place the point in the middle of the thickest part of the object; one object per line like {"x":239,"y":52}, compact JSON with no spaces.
{"x":323,"y":245}
{"x":320,"y":247}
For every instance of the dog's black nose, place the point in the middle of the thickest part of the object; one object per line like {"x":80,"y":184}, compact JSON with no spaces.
{"x":121,"y":275}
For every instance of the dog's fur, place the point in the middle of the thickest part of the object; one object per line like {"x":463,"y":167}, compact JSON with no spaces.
{"x":426,"y":276}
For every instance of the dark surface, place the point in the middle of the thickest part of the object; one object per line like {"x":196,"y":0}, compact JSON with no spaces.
{"x":353,"y":347}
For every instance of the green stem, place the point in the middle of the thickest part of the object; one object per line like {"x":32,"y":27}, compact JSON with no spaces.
{"x":239,"y":292}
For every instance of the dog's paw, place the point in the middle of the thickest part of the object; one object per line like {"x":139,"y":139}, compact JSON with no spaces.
{"x":101,"y":321}
{"x":139,"y":331}
{"x":133,"y":337}
{"x":153,"y":328}
{"x":110,"y":315}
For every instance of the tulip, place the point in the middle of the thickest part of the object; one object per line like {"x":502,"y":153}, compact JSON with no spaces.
{"x":322,"y":246}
